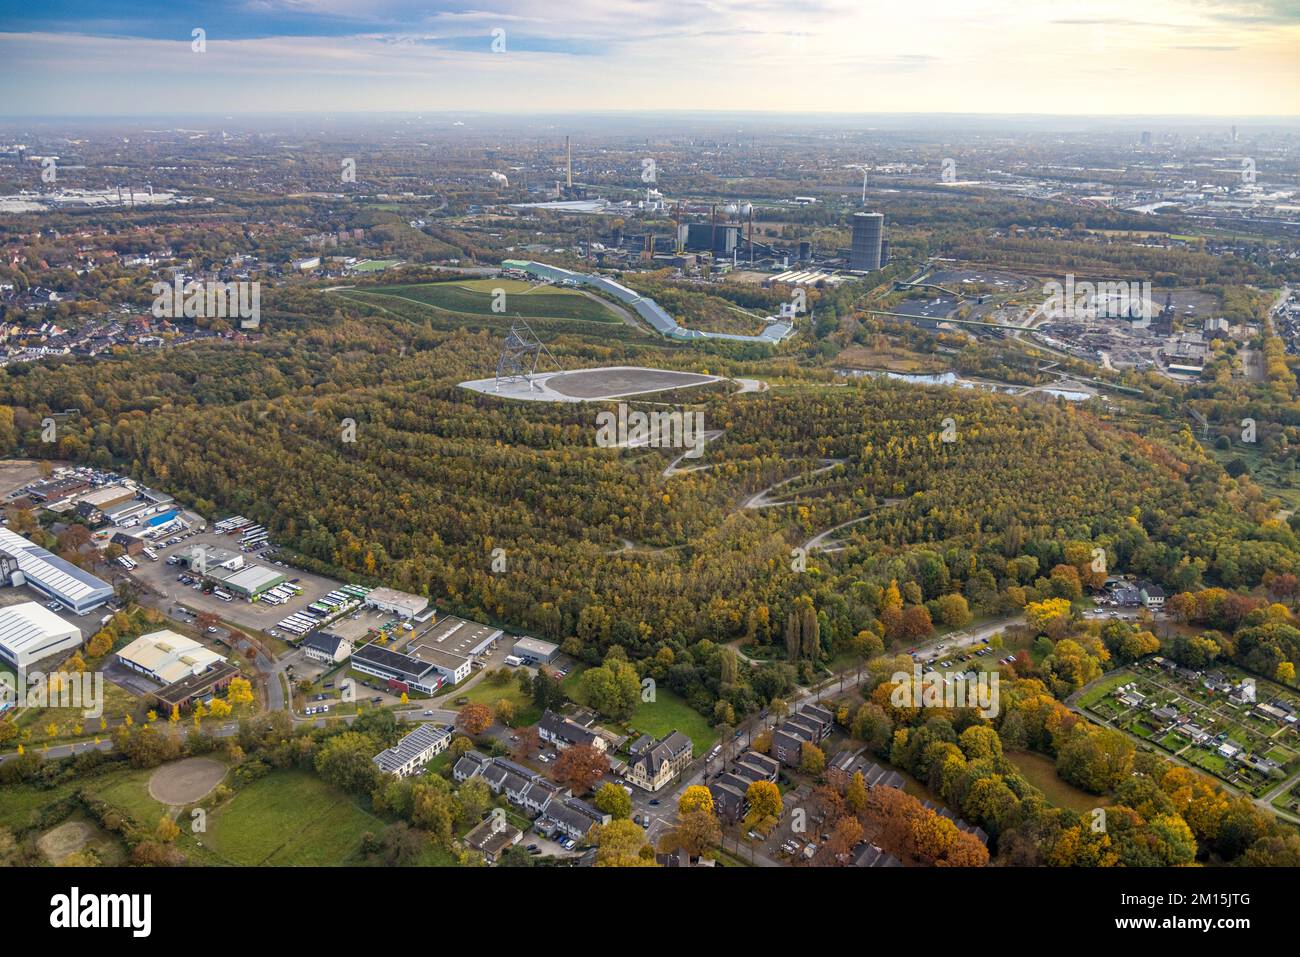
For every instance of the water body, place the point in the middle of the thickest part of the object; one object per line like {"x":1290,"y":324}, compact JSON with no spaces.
{"x":1068,"y":395}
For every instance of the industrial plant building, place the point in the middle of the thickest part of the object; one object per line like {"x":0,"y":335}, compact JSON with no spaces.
{"x":396,"y":602}
{"x":24,"y":562}
{"x":228,"y":570}
{"x":721,"y":240}
{"x":29,"y":633}
{"x":402,"y":672}
{"x":249,"y":581}
{"x":536,"y":650}
{"x":168,"y":657}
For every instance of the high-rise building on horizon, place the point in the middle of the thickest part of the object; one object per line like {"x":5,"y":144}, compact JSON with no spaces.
{"x":868,"y":234}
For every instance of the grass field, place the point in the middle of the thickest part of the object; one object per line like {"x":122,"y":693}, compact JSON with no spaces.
{"x":669,"y":712}
{"x":289,"y":819}
{"x":1040,"y":771}
{"x":130,"y":792}
{"x":70,"y":723}
{"x":485,"y":692}
{"x":476,"y":297}
{"x":1273,"y":478}
{"x":20,"y":805}
{"x":375,"y":265}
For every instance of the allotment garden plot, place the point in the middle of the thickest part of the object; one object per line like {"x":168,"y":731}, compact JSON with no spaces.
{"x":1213,"y":719}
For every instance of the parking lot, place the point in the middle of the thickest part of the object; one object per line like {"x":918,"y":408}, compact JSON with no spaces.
{"x":258,"y":616}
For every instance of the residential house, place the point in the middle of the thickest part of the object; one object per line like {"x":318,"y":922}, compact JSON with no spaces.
{"x":522,"y":787}
{"x":468,"y":765}
{"x":1153,"y":596}
{"x":414,"y":751}
{"x":1229,"y":749}
{"x":755,"y":767}
{"x":492,"y":836}
{"x":128,"y":543}
{"x":326,"y":648}
{"x":538,"y":795}
{"x":658,"y":764}
{"x":563,"y":733}
{"x":728,"y":792}
{"x":868,"y":855}
{"x":811,"y":723}
{"x":571,"y":817}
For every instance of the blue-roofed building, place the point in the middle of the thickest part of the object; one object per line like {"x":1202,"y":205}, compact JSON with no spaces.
{"x":162,"y":518}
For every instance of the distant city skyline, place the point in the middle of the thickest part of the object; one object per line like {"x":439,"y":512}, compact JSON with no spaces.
{"x":1056,"y":57}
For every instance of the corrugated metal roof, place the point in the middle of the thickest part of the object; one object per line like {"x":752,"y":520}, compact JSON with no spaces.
{"x":30,"y":625}
{"x":53,"y":572}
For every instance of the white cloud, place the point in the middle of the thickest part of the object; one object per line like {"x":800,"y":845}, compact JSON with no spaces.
{"x":1059,"y":56}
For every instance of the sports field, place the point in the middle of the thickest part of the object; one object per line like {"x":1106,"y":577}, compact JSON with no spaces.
{"x":477,"y":297}
{"x":375,"y":265}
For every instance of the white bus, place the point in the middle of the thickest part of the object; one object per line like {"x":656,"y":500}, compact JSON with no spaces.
{"x":224,"y":596}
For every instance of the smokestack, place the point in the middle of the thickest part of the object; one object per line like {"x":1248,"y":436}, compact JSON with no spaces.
{"x":751,"y":234}
{"x":568,"y":161}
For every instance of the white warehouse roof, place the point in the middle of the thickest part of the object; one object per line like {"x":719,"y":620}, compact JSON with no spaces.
{"x":61,"y":579}
{"x":400,"y":602}
{"x":167,"y":656}
{"x":30,"y":632}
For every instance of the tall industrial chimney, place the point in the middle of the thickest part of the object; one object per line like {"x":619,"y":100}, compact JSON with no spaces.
{"x":751,"y":234}
{"x":568,"y":161}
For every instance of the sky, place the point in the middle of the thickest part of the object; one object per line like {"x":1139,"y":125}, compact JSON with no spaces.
{"x":1059,"y":57}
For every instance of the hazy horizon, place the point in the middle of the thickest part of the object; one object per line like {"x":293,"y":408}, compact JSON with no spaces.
{"x":823,"y":57}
